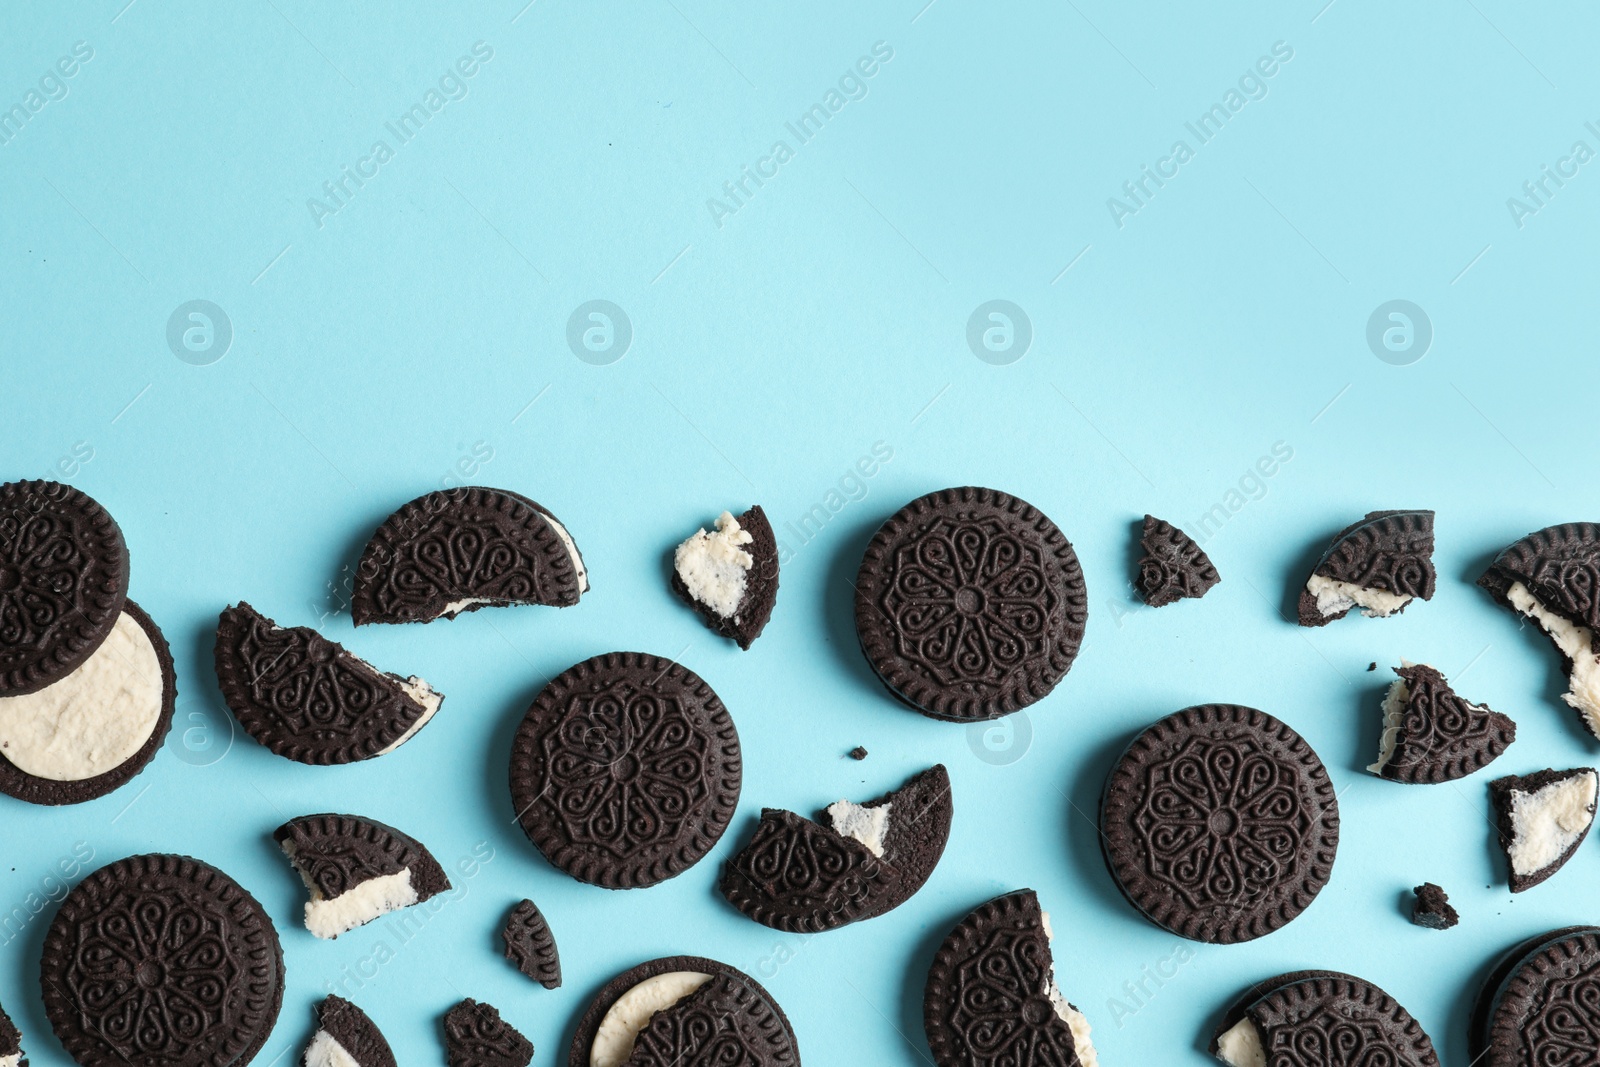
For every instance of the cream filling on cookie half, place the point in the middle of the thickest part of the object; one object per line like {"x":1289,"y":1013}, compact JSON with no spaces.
{"x":93,"y":720}
{"x":1576,"y":643}
{"x":1547,"y":822}
{"x":715,"y":568}
{"x":870,"y":826}
{"x":1240,"y":1045}
{"x":627,"y":1018}
{"x":1076,"y":1021}
{"x":1335,"y":597}
{"x":328,"y":917}
{"x":325,"y":1051}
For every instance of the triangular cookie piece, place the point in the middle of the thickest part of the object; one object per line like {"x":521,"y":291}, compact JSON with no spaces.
{"x":1173,"y":566}
{"x":1542,"y":818}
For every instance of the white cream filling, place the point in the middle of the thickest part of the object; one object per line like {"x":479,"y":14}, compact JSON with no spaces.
{"x":1548,"y":821}
{"x":93,"y":720}
{"x":1075,"y":1019}
{"x":13,"y":1060}
{"x":456,"y":607}
{"x":1240,"y":1045}
{"x":324,"y":1051}
{"x":1336,"y":597}
{"x":328,"y":918}
{"x":1394,"y":710}
{"x":1583,"y":685}
{"x":423,"y":694}
{"x":713,"y":566}
{"x":870,"y":826}
{"x":572,"y":550}
{"x":620,"y":1028}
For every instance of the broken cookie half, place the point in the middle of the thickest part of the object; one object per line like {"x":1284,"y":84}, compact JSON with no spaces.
{"x":357,"y":870}
{"x":346,"y":1037}
{"x":1432,"y":735}
{"x":531,"y":946}
{"x":1542,"y":818}
{"x":476,"y":1036}
{"x":729,"y":575}
{"x":1379,"y":565}
{"x":1321,"y":1017}
{"x":1173,"y":566}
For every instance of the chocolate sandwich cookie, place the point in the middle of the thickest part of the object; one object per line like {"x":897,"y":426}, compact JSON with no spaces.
{"x":970,"y":604}
{"x":63,"y":580}
{"x":1542,"y":818}
{"x":346,"y":1037}
{"x":91,"y":732}
{"x":1432,"y":735}
{"x":1219,"y":823}
{"x":1323,"y":1018}
{"x":1173,"y":566}
{"x":531,"y":946}
{"x":161,"y":959}
{"x":730,"y":576}
{"x":10,"y":1043}
{"x":1431,"y":908}
{"x":476,"y":1036}
{"x":677,"y":1010}
{"x":1552,"y":577}
{"x":625,"y":770}
{"x":1537,"y":1005}
{"x":462,"y":549}
{"x":307,"y":699}
{"x":1379,"y":565}
{"x":357,"y":870}
{"x":991,"y":996}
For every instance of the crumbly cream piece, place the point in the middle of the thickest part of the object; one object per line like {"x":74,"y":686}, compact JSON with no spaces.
{"x":619,"y":1029}
{"x":423,"y":694}
{"x":1240,"y":1045}
{"x":324,"y":1051}
{"x":870,"y":826}
{"x":1576,"y":643}
{"x":1075,"y":1019}
{"x":1334,"y":597}
{"x":1547,"y":822}
{"x":329,"y":917}
{"x":714,"y":567}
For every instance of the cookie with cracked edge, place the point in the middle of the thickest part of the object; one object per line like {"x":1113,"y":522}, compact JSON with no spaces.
{"x":1535,"y":1004}
{"x":462,"y":549}
{"x":800,"y":877}
{"x":10,"y":1043}
{"x":476,"y":1036}
{"x":136,"y":661}
{"x":1379,"y":565}
{"x":1541,"y":819}
{"x":608,"y":1028}
{"x":625,"y":770}
{"x":309,"y":699}
{"x":161,"y":959}
{"x":1219,"y":823}
{"x":917,"y":818}
{"x":1431,"y":909}
{"x":991,"y":997}
{"x":1320,"y":1017}
{"x":347,"y":1037}
{"x":730,"y":576}
{"x":531,"y":946}
{"x":1173,"y":565}
{"x":356,"y":870}
{"x":970,"y":604}
{"x":1430,"y":734}
{"x":724,"y":1018}
{"x":63,"y":580}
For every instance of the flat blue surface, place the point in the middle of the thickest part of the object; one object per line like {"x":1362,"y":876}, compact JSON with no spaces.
{"x":386,"y":341}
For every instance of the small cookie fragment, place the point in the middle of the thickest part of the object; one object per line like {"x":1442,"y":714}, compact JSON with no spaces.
{"x":531,"y":946}
{"x":1173,"y":566}
{"x":10,"y":1043}
{"x":1324,"y":1018}
{"x":1537,"y":1006}
{"x":730,"y":577}
{"x":357,"y":870}
{"x":1432,"y":735}
{"x":1432,"y":908}
{"x":346,"y":1037}
{"x":1379,"y":565}
{"x":476,"y":1036}
{"x":1542,"y":818}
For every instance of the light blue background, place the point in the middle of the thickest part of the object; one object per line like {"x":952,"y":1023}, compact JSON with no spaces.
{"x":828,"y":313}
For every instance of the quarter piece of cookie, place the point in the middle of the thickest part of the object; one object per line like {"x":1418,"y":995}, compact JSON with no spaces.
{"x":675,"y":1011}
{"x":626,"y":770}
{"x":347,"y":1037}
{"x":94,"y":730}
{"x":531,"y":946}
{"x":1432,"y":909}
{"x":10,"y":1043}
{"x":462,"y":549}
{"x":159,"y":959}
{"x":1432,"y":735}
{"x":1173,"y":566}
{"x":308,"y":699}
{"x":1323,"y":1018}
{"x":1536,"y":1006}
{"x":1552,"y":576}
{"x":357,"y":870}
{"x":1219,"y":823}
{"x":1379,"y":565}
{"x":970,"y":604}
{"x":991,"y":995}
{"x":730,"y":576}
{"x":476,"y":1036}
{"x":63,"y":580}
{"x":1542,"y":818}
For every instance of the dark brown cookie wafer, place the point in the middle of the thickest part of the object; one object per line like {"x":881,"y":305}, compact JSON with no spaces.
{"x":10,"y":1040}
{"x":1431,"y":908}
{"x":161,"y":959}
{"x":1432,"y":735}
{"x":531,"y":946}
{"x":744,"y":546}
{"x":970,"y":604}
{"x":1542,"y":818}
{"x":626,"y":770}
{"x":724,"y":1021}
{"x":1219,"y":823}
{"x":1388,"y":554}
{"x":800,"y":877}
{"x":1323,"y":1018}
{"x":920,"y":813}
{"x":343,"y":1028}
{"x":63,"y":580}
{"x":357,"y":869}
{"x":1173,"y":566}
{"x":476,"y":1036}
{"x":1539,"y":1005}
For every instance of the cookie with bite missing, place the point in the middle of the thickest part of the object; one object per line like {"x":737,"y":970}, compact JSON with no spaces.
{"x":1378,"y":565}
{"x":729,"y":575}
{"x":1535,"y":1006}
{"x":1321,"y":1017}
{"x":1542,"y":818}
{"x":346,"y":1037}
{"x":356,"y":870}
{"x":1430,"y":734}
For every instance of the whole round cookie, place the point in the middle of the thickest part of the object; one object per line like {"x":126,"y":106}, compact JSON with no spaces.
{"x":626,"y":770}
{"x":161,"y":960}
{"x":1219,"y":823}
{"x":1321,"y":1017}
{"x":1542,"y":1004}
{"x":970,"y":604}
{"x":91,"y":732}
{"x":63,"y":580}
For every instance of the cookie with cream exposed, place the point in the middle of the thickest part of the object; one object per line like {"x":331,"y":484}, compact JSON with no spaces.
{"x":729,"y":574}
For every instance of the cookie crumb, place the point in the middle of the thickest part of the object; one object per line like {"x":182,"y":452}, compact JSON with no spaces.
{"x":858,"y":753}
{"x":1372,"y":666}
{"x":1432,"y":908}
